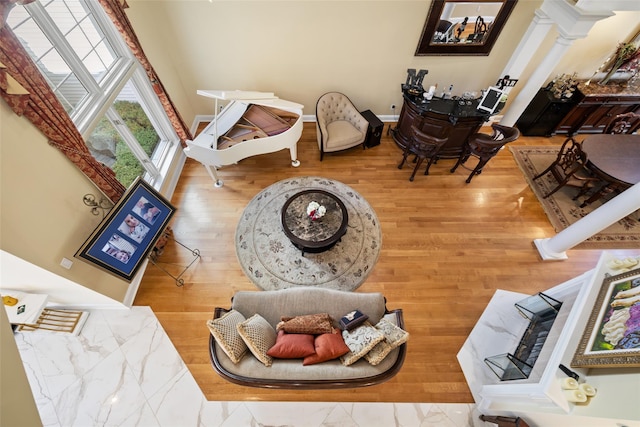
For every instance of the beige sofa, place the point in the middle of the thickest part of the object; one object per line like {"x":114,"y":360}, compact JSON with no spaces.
{"x":290,"y":373}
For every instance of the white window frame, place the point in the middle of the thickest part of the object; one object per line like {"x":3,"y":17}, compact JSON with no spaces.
{"x":100,"y":98}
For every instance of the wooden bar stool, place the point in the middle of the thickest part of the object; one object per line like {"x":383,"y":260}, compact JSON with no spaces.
{"x":423,"y":146}
{"x":485,"y":147}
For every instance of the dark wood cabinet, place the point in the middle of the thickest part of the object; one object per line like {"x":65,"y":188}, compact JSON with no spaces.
{"x":441,"y":118}
{"x":544,"y":113}
{"x":598,"y":105}
{"x":374,"y":130}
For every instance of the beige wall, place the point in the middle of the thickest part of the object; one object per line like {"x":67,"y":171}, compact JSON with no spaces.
{"x":17,"y":406}
{"x":42,"y":217}
{"x":301,"y":49}
{"x":586,"y":55}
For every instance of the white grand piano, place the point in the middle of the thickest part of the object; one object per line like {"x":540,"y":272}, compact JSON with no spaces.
{"x":251,"y":123}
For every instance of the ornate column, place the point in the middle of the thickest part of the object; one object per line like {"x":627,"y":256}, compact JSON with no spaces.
{"x":572,"y":22}
{"x":537,"y":80}
{"x":624,"y":204}
{"x":529,"y":44}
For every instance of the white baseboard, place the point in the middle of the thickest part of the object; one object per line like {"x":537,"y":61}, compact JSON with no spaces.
{"x":21,"y":275}
{"x":203,"y":118}
{"x":200,"y":118}
{"x":389,"y":118}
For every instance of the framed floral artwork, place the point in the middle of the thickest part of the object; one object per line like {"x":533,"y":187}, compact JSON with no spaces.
{"x":612,"y":335}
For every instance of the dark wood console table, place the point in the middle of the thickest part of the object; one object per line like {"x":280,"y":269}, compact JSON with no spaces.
{"x":598,"y":105}
{"x":453,"y":118}
{"x":544,"y":113}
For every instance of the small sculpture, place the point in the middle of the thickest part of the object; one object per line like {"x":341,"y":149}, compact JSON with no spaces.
{"x":563,"y":86}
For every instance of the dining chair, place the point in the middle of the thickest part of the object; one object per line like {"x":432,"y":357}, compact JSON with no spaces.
{"x":569,"y":168}
{"x":485,"y":147}
{"x":624,"y":123}
{"x":605,"y":192}
{"x":422,"y":146}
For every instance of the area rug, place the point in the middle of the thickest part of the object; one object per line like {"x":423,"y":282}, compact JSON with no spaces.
{"x":562,"y":210}
{"x":272,"y":262}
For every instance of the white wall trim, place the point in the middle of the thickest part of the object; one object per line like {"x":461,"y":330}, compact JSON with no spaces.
{"x":21,"y":275}
{"x":171,"y":180}
{"x":387,"y":118}
{"x":132,"y":290}
{"x":200,"y":118}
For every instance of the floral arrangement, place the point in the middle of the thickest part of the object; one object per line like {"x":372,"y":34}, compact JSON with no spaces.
{"x":633,"y":63}
{"x":315,"y":210}
{"x":563,"y":86}
{"x":625,"y":54}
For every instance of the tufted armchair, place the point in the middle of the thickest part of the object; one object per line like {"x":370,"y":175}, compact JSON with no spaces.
{"x":339,"y":124}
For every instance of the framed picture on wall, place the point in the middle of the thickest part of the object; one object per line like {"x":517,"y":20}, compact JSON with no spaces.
{"x":463,"y":27}
{"x":612,"y":335}
{"x":126,"y":235}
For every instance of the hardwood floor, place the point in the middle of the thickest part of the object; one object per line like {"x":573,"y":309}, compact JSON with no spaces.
{"x":447,"y":246}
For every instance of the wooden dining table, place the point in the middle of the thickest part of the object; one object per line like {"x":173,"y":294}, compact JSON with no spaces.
{"x":615,"y":159}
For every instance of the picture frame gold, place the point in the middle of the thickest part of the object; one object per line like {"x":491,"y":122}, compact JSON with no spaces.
{"x":596,"y":348}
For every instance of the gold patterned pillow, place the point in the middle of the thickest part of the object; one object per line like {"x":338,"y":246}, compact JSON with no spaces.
{"x":259,"y":336}
{"x":313,"y":324}
{"x":394,"y":336}
{"x":360,"y":342}
{"x":225,"y":332}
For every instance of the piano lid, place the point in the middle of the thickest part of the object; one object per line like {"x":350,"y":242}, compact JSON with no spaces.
{"x":229,"y":95}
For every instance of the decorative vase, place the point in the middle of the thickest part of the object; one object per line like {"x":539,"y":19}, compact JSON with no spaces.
{"x":610,"y":73}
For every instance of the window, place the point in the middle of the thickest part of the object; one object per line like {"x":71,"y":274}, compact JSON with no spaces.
{"x":100,"y":84}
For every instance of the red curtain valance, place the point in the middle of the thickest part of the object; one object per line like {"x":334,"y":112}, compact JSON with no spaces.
{"x":40,"y":105}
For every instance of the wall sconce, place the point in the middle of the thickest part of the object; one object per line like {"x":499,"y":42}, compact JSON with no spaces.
{"x":97,"y":206}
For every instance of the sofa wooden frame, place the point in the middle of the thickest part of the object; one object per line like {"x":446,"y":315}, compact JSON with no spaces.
{"x":214,"y":351}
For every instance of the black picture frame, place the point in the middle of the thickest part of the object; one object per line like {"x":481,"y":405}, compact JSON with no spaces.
{"x":475,"y":46}
{"x":127,"y":234}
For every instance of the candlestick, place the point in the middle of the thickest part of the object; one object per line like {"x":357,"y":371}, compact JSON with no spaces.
{"x":575,"y":396}
{"x":569,"y":384}
{"x":588,"y":389}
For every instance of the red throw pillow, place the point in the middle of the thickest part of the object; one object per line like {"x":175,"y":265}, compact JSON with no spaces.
{"x":292,"y":346}
{"x":328,"y":347}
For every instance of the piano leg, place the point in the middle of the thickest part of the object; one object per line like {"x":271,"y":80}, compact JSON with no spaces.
{"x":293,"y":150}
{"x":212,"y":173}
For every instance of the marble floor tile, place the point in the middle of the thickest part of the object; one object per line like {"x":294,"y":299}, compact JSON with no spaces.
{"x":123,"y":370}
